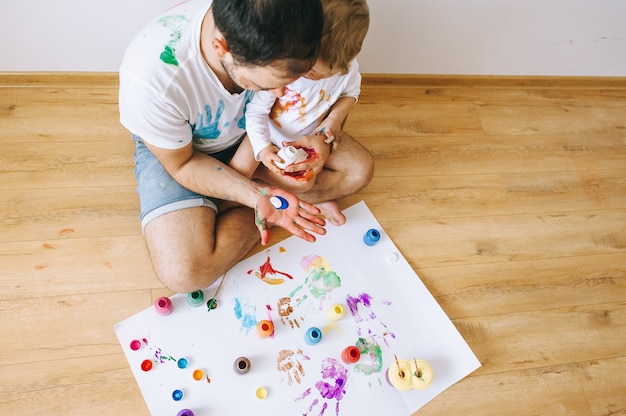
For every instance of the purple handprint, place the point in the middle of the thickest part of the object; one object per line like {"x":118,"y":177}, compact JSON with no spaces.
{"x":331,"y":386}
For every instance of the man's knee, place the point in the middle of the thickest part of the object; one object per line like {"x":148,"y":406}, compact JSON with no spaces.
{"x":187,"y":274}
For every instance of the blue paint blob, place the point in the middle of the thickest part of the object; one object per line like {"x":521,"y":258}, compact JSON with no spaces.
{"x":183,"y":363}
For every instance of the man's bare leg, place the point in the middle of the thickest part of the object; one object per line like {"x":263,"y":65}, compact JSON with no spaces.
{"x":191,"y":248}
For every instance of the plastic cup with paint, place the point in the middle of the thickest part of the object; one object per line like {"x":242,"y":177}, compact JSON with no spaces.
{"x":350,"y":355}
{"x":312,"y":336}
{"x":195,"y":298}
{"x":265,"y":329}
{"x":335,"y":312}
{"x":163,"y":305}
{"x":371,"y":237}
{"x":241,"y":365}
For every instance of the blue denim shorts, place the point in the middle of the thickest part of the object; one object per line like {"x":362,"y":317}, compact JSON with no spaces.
{"x":159,"y":193}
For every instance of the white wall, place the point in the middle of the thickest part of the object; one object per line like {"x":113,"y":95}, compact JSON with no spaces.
{"x":494,"y":37}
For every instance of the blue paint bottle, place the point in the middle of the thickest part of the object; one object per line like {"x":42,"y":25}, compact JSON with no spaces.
{"x":371,"y":237}
{"x":313,"y":336}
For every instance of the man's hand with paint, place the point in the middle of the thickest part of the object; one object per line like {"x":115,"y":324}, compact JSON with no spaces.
{"x":296,"y":216}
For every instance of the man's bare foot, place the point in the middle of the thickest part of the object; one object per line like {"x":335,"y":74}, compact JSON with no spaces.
{"x":330,"y":210}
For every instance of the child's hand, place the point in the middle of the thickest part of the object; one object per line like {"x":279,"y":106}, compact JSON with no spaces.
{"x":268,"y":156}
{"x":331,"y":129}
{"x":316,"y":161}
{"x":298,"y":217}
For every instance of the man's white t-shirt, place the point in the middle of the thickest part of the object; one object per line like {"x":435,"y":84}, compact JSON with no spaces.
{"x":297,"y":113}
{"x":169,"y":96}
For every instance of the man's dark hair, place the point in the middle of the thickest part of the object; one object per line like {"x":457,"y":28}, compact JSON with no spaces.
{"x":261,"y":32}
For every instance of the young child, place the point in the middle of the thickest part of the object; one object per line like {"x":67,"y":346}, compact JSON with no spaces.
{"x":317,"y":103}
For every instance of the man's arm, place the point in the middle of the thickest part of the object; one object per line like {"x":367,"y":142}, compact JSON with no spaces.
{"x":206,"y":175}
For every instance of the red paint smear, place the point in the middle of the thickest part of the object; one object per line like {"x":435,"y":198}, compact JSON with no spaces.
{"x":266,"y":268}
{"x":305,"y":175}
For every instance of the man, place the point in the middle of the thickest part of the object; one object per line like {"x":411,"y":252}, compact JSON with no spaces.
{"x":184,"y":83}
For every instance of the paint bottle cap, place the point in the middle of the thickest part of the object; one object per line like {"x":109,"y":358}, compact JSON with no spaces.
{"x":146,"y":365}
{"x":177,"y":395}
{"x":261,"y":393}
{"x":198,"y":374}
{"x":279,"y":202}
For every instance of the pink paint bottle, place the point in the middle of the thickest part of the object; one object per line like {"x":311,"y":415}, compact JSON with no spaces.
{"x":163,"y":305}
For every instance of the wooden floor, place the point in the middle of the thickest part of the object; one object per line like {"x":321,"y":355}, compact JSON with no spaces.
{"x":506,"y":195}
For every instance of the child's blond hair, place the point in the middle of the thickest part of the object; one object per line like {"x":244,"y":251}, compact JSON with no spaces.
{"x":345,"y":25}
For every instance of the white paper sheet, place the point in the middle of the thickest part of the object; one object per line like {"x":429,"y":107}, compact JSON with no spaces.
{"x":392,"y":313}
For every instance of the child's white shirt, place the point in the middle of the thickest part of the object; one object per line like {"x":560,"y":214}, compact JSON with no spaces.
{"x":300,"y":111}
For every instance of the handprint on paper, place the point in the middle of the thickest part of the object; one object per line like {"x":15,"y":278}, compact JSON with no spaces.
{"x":290,"y":366}
{"x":331,"y":387}
{"x":320,"y":279}
{"x":285,"y":311}
{"x":246,"y":314}
{"x":368,"y":325}
{"x":371,"y":360}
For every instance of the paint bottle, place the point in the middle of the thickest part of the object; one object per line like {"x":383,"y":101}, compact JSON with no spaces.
{"x":195,"y":298}
{"x":350,"y":355}
{"x":288,"y":154}
{"x":185,"y":412}
{"x":335,"y":312}
{"x":265,"y":329}
{"x":241,"y":365}
{"x":371,"y":237}
{"x":313,"y":336}
{"x":163,"y":305}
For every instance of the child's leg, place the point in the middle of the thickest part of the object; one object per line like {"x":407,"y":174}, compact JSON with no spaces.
{"x":243,"y":161}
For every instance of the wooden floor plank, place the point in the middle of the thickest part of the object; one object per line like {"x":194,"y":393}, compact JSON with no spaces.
{"x":507,"y":195}
{"x":522,"y":393}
